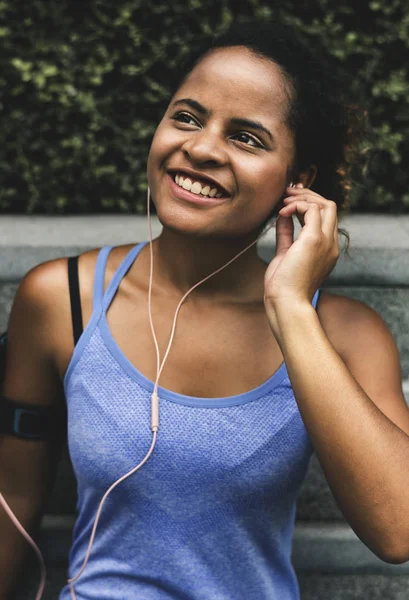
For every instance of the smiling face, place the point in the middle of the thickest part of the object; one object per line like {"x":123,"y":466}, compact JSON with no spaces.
{"x":225,"y":129}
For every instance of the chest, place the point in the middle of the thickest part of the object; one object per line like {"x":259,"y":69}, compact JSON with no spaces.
{"x":216,"y":351}
{"x":234,"y":454}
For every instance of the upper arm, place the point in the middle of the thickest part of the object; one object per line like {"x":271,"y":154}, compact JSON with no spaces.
{"x":369,"y":350}
{"x":27,"y":467}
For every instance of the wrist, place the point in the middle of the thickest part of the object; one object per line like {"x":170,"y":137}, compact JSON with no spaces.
{"x":285,"y":312}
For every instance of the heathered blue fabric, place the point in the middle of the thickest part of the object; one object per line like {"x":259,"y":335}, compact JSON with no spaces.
{"x":210,"y":515}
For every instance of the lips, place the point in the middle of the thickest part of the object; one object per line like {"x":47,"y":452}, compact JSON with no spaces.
{"x":201,"y":178}
{"x":197,"y":187}
{"x":198,"y":199}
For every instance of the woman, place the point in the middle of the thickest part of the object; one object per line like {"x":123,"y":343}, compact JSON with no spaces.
{"x":259,"y":375}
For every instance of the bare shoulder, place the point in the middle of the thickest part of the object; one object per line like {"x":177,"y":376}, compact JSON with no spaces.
{"x":366,"y":345}
{"x":43,"y":297}
{"x":30,"y":373}
{"x":346,"y":321}
{"x":47,"y":283}
{"x":44,"y":289}
{"x":86,"y":274}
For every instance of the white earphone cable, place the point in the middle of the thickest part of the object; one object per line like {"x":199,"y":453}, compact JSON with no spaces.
{"x":32,"y":543}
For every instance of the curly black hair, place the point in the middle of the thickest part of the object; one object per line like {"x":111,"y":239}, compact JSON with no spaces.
{"x":327,"y":124}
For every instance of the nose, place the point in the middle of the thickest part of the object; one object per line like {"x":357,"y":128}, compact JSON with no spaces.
{"x":205,"y":147}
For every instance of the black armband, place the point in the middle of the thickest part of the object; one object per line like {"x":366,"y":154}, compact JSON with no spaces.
{"x":29,"y":421}
{"x":32,"y":421}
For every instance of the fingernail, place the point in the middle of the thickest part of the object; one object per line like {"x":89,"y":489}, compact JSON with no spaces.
{"x":299,"y":185}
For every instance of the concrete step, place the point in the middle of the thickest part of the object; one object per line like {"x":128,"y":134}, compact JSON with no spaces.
{"x":335,"y":548}
{"x":323,"y":586}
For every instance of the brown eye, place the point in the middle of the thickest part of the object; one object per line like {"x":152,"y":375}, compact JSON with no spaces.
{"x":247,"y":137}
{"x":183,"y":117}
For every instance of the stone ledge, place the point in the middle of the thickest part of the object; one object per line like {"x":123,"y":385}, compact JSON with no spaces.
{"x":335,"y":548}
{"x":365,"y":230}
{"x":323,"y":547}
{"x":329,"y":586}
{"x":379,"y":251}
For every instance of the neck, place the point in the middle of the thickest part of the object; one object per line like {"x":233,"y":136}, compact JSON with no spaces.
{"x":181,"y":261}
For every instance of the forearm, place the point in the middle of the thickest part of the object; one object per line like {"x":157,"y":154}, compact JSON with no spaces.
{"x":364,"y":455}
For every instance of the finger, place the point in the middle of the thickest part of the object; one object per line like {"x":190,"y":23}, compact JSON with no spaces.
{"x":328,"y":223}
{"x":336,"y":238}
{"x":284,"y":234}
{"x":300,"y":206}
{"x":336,"y":241}
{"x":329,"y":213}
{"x":305,"y":194}
{"x":311,"y":212}
{"x":300,"y":218}
{"x":293,"y":191}
{"x":308,"y":196}
{"x":313,"y":218}
{"x":331,"y":228}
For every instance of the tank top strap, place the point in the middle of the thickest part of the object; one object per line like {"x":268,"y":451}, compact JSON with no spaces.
{"x":99,"y":278}
{"x":119,"y":274}
{"x":315,"y":298}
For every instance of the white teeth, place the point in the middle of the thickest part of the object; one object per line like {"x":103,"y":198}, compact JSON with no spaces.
{"x":196,"y":187}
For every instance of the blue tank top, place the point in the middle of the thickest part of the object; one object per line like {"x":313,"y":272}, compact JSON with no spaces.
{"x":210,"y":515}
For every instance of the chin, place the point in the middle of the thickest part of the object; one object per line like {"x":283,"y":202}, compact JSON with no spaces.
{"x":181,"y":223}
{"x":198,"y":223}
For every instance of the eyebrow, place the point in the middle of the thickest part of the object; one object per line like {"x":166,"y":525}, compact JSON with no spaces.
{"x":235,"y":120}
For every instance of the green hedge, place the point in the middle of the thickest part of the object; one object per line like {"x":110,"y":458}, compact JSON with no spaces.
{"x":82,"y":87}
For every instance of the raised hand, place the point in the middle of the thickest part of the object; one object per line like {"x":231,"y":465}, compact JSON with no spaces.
{"x":300,"y":267}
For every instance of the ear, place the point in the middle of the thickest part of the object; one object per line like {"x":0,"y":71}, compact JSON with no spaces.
{"x":307,"y":177}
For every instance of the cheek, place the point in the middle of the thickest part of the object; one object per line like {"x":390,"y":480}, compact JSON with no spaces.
{"x":265,"y":182}
{"x":163,"y":144}
{"x":156,"y":145}
{"x":157,"y":153}
{"x":266,"y":186}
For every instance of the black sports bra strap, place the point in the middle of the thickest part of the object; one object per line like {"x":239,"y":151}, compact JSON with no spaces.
{"x":76,"y":313}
